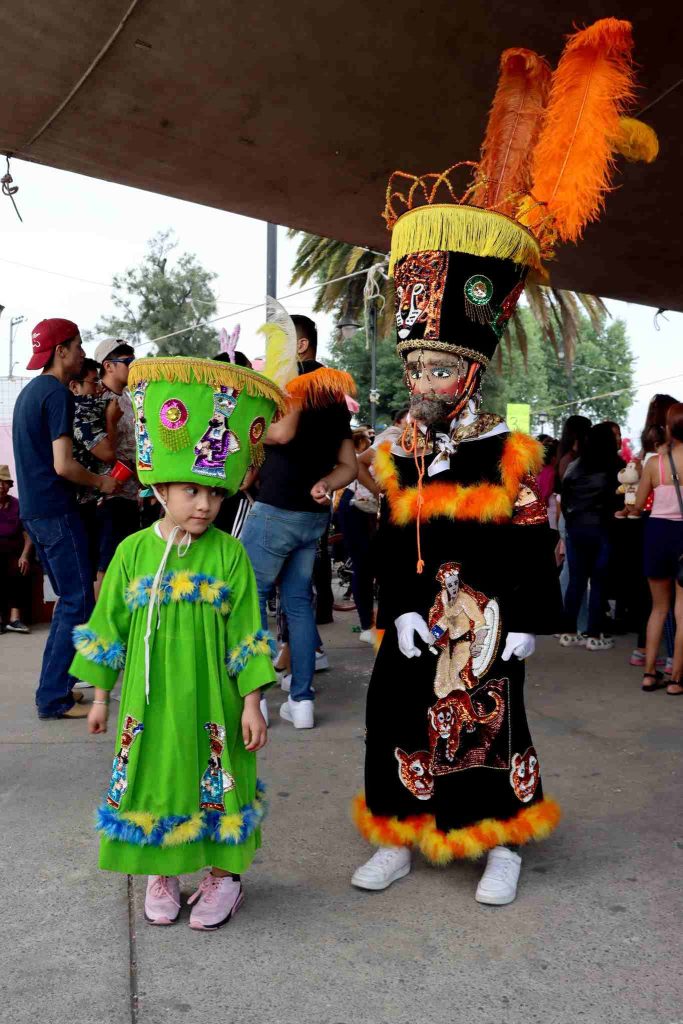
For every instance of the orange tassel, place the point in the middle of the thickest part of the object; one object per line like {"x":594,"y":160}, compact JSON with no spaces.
{"x":321,"y":387}
{"x":512,"y":132}
{"x":573,"y":160}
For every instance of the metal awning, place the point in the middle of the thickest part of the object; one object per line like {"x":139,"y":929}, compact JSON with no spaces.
{"x":298,"y":113}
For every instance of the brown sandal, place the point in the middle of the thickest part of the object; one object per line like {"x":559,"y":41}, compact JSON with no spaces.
{"x":658,"y":684}
{"x":677,"y":693}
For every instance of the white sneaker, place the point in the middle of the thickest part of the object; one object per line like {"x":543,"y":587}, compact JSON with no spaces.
{"x":263,"y":704}
{"x":321,"y":661}
{"x":286,"y":682}
{"x":387,"y":865}
{"x":573,"y":640}
{"x":299,"y":713}
{"x":498,"y":884}
{"x":367,"y":636}
{"x":599,"y":643}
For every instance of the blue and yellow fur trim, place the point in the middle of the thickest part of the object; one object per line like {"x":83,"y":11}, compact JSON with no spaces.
{"x":112,"y":653}
{"x":140,"y":828}
{"x":180,"y":586}
{"x":260,"y":642}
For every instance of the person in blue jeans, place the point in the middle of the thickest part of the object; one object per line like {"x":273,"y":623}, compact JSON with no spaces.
{"x":309,"y":454}
{"x":589,"y":501}
{"x":42,"y":437}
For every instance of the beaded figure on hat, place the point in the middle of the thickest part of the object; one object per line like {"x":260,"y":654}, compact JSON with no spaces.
{"x":466,"y":568}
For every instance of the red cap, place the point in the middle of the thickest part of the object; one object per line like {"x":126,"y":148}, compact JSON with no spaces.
{"x":46,"y":336}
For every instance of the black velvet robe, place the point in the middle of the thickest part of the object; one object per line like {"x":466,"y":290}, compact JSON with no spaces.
{"x":467,"y":755}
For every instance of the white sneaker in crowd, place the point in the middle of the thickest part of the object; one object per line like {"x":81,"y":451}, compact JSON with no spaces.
{"x":321,"y":660}
{"x":387,"y":865}
{"x":668,"y":665}
{"x":286,"y":682}
{"x":299,"y":713}
{"x":367,"y":636}
{"x":498,"y":884}
{"x":573,"y":640}
{"x":599,"y":643}
{"x":263,"y":704}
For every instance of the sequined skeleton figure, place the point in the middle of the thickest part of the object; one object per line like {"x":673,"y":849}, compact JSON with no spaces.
{"x":119,"y":781}
{"x":215,"y":780}
{"x":218,"y":441}
{"x":144,"y":443}
{"x":464,"y":624}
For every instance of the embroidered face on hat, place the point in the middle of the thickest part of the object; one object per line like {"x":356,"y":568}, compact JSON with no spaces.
{"x":199,"y":419}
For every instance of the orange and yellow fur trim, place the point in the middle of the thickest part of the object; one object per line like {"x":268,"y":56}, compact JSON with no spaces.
{"x":321,"y":387}
{"x":485,"y":502}
{"x":531,"y":823}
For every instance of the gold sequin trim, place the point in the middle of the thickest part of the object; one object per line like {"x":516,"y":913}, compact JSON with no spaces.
{"x":442,"y":346}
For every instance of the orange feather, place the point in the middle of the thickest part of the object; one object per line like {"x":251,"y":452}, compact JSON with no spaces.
{"x":512,"y":131}
{"x":573,"y":160}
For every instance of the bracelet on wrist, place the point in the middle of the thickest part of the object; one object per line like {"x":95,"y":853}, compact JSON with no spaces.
{"x":104,"y":702}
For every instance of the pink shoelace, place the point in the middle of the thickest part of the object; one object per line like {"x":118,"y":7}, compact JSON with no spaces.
{"x":208,"y":888}
{"x":161,"y":888}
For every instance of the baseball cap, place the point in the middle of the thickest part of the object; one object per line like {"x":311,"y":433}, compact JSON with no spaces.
{"x":46,"y":336}
{"x":106,"y":347}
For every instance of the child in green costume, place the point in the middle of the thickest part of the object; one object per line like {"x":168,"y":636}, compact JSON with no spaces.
{"x":179,"y":612}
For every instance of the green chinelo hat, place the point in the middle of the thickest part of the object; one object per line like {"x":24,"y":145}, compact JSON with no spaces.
{"x":201,"y":420}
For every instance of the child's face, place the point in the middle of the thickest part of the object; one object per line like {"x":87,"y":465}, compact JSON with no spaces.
{"x":193,"y":506}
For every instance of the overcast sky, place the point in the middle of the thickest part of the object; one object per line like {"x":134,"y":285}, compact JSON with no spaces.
{"x":89,"y":230}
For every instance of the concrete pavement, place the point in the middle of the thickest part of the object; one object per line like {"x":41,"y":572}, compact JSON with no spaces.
{"x":595,"y":935}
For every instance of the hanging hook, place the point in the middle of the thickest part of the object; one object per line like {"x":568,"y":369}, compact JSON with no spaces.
{"x":10,"y":190}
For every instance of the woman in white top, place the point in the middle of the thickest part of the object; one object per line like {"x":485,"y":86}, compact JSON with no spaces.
{"x":663,"y":549}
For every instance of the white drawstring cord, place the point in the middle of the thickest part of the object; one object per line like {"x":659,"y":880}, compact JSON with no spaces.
{"x":155,"y":593}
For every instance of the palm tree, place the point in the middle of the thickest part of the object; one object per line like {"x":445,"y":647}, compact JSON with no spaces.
{"x":322,"y":259}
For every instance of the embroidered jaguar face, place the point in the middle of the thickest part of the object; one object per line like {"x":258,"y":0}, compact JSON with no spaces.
{"x":415,"y":773}
{"x":420,"y":281}
{"x":525,"y":775}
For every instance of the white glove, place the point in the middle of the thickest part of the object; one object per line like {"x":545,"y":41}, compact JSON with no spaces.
{"x":521,"y":644}
{"x":407,"y":626}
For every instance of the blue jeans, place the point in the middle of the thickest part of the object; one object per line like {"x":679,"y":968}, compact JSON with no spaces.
{"x":282,"y":545}
{"x":62,"y":547}
{"x":588,"y":554}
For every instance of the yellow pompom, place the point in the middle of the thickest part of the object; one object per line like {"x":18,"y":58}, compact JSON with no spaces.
{"x":636,"y":141}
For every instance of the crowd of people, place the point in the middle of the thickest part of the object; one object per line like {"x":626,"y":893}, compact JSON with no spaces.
{"x":619,"y":522}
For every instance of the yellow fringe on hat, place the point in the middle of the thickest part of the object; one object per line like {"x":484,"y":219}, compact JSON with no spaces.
{"x":450,"y":228}
{"x":636,"y":141}
{"x":206,"y":371}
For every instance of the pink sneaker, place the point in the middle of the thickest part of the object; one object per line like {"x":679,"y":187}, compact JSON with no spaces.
{"x":221,"y":898}
{"x":162,"y":899}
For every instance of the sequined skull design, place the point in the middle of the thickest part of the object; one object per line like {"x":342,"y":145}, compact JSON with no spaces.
{"x":218,"y":441}
{"x":119,"y":782}
{"x":415,"y":773}
{"x":215,"y":780}
{"x":525,"y":774}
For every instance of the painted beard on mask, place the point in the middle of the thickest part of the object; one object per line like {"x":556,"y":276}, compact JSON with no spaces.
{"x":431,"y":410}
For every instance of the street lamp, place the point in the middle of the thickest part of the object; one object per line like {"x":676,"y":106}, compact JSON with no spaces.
{"x":348,"y":328}
{"x":14,"y":322}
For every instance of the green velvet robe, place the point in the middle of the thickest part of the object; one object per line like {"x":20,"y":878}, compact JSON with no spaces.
{"x":183,"y":792}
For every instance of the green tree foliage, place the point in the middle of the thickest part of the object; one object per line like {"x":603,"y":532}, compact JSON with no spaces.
{"x":159,"y":297}
{"x":602,"y":362}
